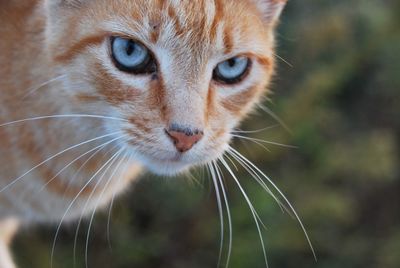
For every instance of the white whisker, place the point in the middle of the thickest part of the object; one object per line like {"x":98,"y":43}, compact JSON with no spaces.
{"x":97,"y":204}
{"x":71,"y":204}
{"x":258,"y":217}
{"x":283,"y":196}
{"x":252,"y":210}
{"x":62,"y":116}
{"x":31,"y":91}
{"x":258,"y":141}
{"x":193,"y":179}
{"x":228,"y":212}
{"x":282,"y":59}
{"x":113,"y":197}
{"x":79,"y":157}
{"x":275,"y":117}
{"x":220,"y":210}
{"x":233,"y":163}
{"x":112,"y":160}
{"x":254,"y":131}
{"x":260,"y":181}
{"x":73,"y":178}
{"x":53,"y":157}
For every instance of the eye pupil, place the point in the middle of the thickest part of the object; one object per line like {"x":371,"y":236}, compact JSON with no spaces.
{"x":232,"y":62}
{"x":130,"y":48}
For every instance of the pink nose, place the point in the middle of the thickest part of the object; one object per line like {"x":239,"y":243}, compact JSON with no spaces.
{"x":184,"y":139}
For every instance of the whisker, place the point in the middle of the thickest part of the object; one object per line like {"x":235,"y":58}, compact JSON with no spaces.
{"x":76,"y":159}
{"x":113,"y":158}
{"x":282,"y":59}
{"x":73,"y":178}
{"x":260,"y":181}
{"x":97,"y":204}
{"x":62,"y":116}
{"x":53,"y":157}
{"x":220,"y":210}
{"x":113,"y":198}
{"x":252,"y":209}
{"x":256,"y":142}
{"x":233,"y":163}
{"x":264,"y":141}
{"x":228,"y":212}
{"x":260,"y":220}
{"x":71,"y":204}
{"x":283,"y":196}
{"x":193,"y":179}
{"x":31,"y":91}
{"x":254,"y":131}
{"x":275,"y":117}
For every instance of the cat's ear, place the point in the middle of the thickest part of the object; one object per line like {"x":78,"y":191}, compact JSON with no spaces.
{"x":270,"y":9}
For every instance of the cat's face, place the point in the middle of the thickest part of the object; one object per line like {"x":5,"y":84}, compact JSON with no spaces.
{"x":182,"y":73}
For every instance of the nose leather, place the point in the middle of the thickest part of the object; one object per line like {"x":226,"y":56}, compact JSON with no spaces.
{"x":184,"y":139}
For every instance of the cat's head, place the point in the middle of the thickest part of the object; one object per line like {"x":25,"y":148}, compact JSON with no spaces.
{"x":182,"y":73}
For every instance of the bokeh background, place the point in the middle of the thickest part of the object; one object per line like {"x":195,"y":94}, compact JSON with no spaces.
{"x":339,"y":93}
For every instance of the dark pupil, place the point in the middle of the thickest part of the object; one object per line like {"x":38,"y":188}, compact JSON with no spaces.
{"x":232,"y":62}
{"x":130,"y":48}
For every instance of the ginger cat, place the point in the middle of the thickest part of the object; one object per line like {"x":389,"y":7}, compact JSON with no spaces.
{"x":94,"y":90}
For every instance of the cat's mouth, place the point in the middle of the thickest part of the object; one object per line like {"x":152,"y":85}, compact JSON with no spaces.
{"x":167,"y":159}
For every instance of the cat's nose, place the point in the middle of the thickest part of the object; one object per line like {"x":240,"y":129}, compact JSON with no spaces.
{"x":184,"y":138}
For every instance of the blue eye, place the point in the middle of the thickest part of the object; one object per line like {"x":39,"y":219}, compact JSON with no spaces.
{"x":232,"y":71}
{"x":131,"y":56}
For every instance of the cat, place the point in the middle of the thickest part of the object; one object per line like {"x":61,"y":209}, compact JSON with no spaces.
{"x":95,"y":91}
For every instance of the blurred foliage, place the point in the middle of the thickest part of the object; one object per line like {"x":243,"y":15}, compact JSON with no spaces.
{"x":339,"y":94}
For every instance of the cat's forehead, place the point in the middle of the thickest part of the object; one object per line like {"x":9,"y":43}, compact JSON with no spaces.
{"x":201,"y":27}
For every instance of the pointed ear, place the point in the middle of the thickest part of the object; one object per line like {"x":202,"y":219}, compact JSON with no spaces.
{"x":270,"y":9}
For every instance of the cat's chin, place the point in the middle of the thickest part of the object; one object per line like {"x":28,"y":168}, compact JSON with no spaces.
{"x":167,"y":168}
{"x":172,"y":164}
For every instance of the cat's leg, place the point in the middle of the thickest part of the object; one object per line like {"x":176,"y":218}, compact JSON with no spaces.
{"x":8,"y":228}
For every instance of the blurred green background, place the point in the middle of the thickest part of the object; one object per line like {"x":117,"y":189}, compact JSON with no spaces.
{"x":339,"y":94}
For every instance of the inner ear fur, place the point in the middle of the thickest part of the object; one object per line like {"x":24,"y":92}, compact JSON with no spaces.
{"x":270,"y":9}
